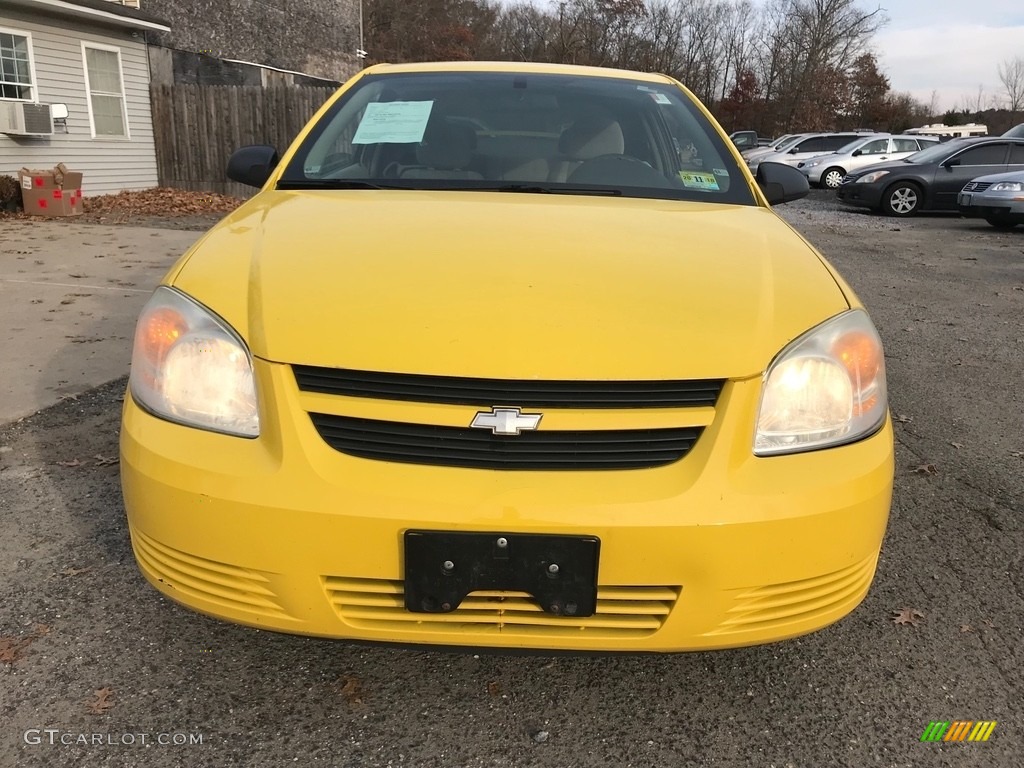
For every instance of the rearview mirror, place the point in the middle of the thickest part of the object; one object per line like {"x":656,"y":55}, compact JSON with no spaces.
{"x":252,"y":165}
{"x":781,"y":183}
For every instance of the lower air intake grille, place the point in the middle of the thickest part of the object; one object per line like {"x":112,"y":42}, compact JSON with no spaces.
{"x":476,"y":448}
{"x":622,"y":611}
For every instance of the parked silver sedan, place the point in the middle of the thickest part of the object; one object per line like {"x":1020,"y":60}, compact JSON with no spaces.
{"x":997,"y":198}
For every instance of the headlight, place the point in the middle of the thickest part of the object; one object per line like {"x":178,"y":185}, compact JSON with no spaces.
{"x":1007,"y":186}
{"x":812,"y":163}
{"x":872,"y":177}
{"x":189,"y":366}
{"x":826,"y":388}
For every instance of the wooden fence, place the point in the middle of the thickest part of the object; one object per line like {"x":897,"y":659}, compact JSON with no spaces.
{"x":197,"y":127}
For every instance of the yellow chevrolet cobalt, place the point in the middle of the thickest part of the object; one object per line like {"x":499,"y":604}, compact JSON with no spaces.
{"x":509,"y":355}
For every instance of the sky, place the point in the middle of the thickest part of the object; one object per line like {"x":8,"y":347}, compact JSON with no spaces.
{"x":949,"y":46}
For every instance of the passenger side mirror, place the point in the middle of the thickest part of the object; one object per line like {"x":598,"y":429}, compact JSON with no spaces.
{"x":781,"y":183}
{"x":252,"y":165}
{"x":857,"y":153}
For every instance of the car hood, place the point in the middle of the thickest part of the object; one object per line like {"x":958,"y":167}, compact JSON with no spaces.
{"x":891,"y":165}
{"x":510,"y":285}
{"x":993,"y":178}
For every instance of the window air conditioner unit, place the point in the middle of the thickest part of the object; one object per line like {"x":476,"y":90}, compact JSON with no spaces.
{"x":20,"y":118}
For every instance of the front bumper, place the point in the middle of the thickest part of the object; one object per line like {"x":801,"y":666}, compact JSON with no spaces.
{"x":863,"y":195}
{"x":979,"y":205}
{"x":719,"y":549}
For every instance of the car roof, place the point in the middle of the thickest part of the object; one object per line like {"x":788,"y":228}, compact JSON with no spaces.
{"x":516,"y":67}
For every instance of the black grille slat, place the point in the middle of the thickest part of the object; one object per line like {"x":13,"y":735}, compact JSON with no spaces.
{"x":468,"y":447}
{"x":524,"y":393}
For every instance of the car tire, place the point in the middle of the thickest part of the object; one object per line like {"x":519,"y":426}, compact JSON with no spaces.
{"x":1000,"y":223}
{"x":832,"y":178}
{"x":902,"y":199}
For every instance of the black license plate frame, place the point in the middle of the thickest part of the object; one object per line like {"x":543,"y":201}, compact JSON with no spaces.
{"x":559,"y":571}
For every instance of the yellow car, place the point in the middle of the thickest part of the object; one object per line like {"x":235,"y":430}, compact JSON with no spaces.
{"x":509,"y":355}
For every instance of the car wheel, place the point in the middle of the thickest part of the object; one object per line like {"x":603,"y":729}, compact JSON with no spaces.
{"x":902,"y":199}
{"x":1000,"y":223}
{"x":832,"y":178}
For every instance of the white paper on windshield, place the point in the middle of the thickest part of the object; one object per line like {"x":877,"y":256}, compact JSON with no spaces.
{"x":393,"y":122}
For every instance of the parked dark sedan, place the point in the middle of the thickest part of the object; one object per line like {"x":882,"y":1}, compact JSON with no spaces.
{"x":930,"y":179}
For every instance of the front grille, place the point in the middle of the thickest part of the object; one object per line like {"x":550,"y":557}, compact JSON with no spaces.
{"x":477,"y":448}
{"x":976,"y":186}
{"x":622,"y":611}
{"x":454,"y":390}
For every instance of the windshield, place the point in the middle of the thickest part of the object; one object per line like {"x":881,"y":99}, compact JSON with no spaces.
{"x":782,"y":139}
{"x":850,"y":147}
{"x":518,"y":132}
{"x":937,"y":153}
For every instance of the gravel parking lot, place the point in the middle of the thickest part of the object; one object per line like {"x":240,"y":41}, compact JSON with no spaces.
{"x":97,"y":669}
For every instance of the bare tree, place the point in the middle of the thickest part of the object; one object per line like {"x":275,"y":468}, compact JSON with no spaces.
{"x":1011,"y":74}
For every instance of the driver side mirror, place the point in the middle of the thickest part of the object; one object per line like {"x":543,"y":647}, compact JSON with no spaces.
{"x":781,"y":183}
{"x":252,"y":165}
{"x":857,"y":153}
{"x":951,"y":162}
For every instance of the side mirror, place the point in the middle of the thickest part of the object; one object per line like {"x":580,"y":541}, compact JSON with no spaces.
{"x":951,"y":162}
{"x":794,"y":150}
{"x":781,"y":183}
{"x":252,"y":165}
{"x":857,"y":153}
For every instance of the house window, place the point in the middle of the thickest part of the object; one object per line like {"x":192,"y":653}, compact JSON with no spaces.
{"x":16,"y":66}
{"x":105,"y":86}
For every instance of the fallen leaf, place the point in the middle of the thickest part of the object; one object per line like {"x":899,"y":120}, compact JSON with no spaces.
{"x":924,"y":469}
{"x":76,"y":275}
{"x":72,"y":463}
{"x":908,"y":616}
{"x":902,"y":419}
{"x":74,"y":571}
{"x":102,"y":702}
{"x":1017,"y":454}
{"x":966,"y":628}
{"x":494,"y":688}
{"x":352,"y":689}
{"x":958,"y":446}
{"x":11,"y":648}
{"x":102,"y":461}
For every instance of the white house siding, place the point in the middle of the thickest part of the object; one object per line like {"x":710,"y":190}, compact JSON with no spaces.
{"x":108,"y":165}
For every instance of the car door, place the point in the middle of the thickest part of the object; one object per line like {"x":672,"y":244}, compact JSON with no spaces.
{"x":804,"y":149}
{"x":875,"y":151}
{"x":950,"y":176}
{"x":903,"y":148}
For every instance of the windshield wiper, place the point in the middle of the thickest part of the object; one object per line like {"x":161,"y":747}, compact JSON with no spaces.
{"x":331,"y":184}
{"x":547,"y":189}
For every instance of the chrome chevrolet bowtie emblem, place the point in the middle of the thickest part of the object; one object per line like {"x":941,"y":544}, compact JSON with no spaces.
{"x":505,"y":421}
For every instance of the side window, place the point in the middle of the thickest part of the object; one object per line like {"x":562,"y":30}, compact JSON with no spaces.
{"x":876,"y":147}
{"x":1017,"y":154}
{"x":832,"y":143}
{"x":990,"y":154}
{"x":907,"y":145}
{"x":811,"y":145}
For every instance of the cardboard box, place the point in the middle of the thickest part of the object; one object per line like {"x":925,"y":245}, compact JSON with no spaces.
{"x":57,"y":192}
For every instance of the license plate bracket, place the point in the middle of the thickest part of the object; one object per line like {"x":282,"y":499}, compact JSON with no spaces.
{"x":558,"y":571}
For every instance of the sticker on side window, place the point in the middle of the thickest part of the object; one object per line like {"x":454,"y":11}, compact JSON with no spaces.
{"x":693,"y":180}
{"x":393,"y":122}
